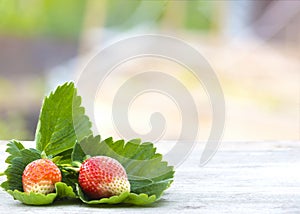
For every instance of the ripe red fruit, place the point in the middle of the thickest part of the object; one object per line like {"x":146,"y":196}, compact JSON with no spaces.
{"x":40,"y":176}
{"x":102,"y":177}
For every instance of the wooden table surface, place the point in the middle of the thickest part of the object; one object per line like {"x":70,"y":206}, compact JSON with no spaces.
{"x":243,"y":177}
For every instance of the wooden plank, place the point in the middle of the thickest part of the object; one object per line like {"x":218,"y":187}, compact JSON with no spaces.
{"x":248,"y":177}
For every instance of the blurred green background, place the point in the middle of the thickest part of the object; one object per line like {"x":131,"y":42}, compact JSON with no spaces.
{"x":252,"y":45}
{"x":41,"y":28}
{"x":41,"y":18}
{"x":65,"y":18}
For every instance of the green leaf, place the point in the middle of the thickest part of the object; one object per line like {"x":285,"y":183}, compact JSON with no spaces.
{"x":147,"y":173}
{"x":61,"y":191}
{"x":78,"y":154}
{"x":13,"y":148}
{"x":62,"y":122}
{"x":18,"y":160}
{"x":126,"y":197}
{"x":64,"y":191}
{"x":139,"y":199}
{"x":112,"y":200}
{"x":32,"y":198}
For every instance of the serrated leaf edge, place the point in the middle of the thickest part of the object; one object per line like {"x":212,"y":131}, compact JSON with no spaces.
{"x":45,"y":199}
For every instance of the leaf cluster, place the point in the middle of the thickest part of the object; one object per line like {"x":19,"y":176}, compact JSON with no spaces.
{"x":64,"y":135}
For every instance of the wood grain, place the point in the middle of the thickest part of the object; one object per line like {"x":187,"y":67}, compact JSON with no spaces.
{"x":243,"y":177}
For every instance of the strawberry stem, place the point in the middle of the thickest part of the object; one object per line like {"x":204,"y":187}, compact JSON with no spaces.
{"x":44,"y":155}
{"x":76,"y":163}
{"x":75,"y":169}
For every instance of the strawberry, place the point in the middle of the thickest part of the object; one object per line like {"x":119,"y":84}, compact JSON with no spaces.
{"x":40,"y":176}
{"x":102,"y":177}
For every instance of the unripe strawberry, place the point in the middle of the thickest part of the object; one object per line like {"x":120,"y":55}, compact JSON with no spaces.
{"x":102,"y":177}
{"x":40,"y":176}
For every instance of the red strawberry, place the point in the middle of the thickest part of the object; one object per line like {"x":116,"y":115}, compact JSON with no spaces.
{"x":40,"y":176}
{"x":102,"y":177}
